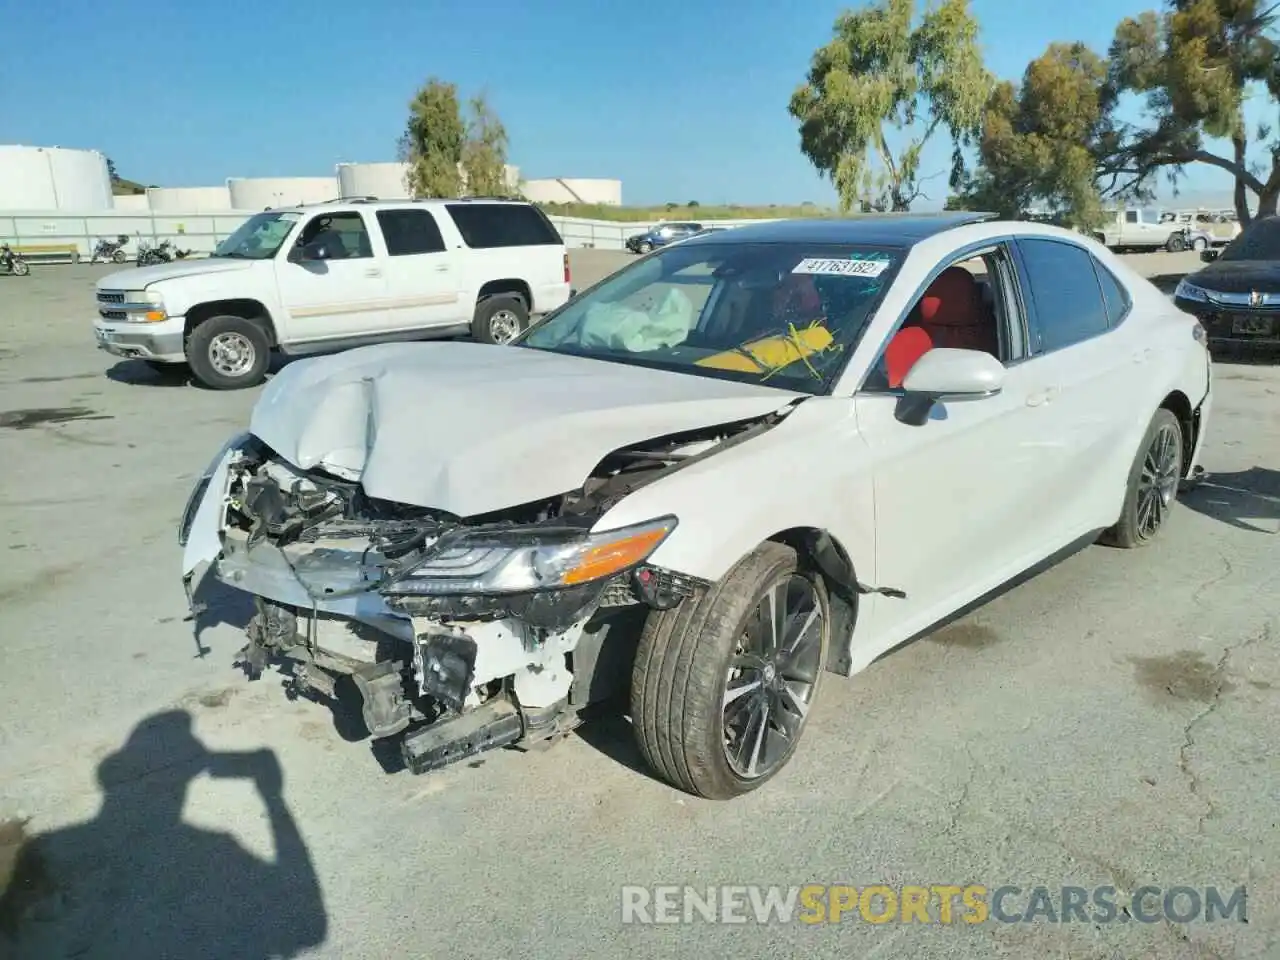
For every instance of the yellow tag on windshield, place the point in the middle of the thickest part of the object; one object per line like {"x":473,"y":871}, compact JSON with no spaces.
{"x":771,"y":353}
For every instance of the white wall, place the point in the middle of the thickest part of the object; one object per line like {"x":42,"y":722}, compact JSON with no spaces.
{"x":131,"y":203}
{"x":259,"y":193}
{"x":53,"y":178}
{"x":189,"y":199}
{"x":573,"y":190}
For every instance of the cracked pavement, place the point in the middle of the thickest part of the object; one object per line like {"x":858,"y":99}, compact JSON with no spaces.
{"x":1112,"y":721}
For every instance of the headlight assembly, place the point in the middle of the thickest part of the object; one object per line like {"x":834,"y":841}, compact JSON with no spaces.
{"x":1189,"y":291}
{"x":201,"y":487}
{"x":512,"y":562}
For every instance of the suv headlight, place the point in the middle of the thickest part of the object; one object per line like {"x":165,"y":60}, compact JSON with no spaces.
{"x":146,"y":306}
{"x":522,"y":561}
{"x":1189,"y":291}
{"x":201,"y":487}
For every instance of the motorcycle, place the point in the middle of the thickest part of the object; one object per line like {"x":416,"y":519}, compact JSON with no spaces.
{"x":181,"y":254}
{"x":106,"y":250}
{"x":12,"y":263}
{"x":149,"y":255}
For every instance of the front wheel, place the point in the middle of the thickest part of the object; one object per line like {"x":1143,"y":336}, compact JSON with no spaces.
{"x":21,"y":268}
{"x":1176,"y":243}
{"x":644,"y":247}
{"x":117,"y":257}
{"x":723,"y":684}
{"x":228,"y":353}
{"x":1152,"y":485}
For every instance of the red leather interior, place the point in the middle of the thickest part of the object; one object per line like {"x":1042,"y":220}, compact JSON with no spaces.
{"x":953,"y":314}
{"x":950,"y":314}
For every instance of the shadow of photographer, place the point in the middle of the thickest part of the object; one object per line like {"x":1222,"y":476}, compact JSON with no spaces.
{"x":138,"y":882}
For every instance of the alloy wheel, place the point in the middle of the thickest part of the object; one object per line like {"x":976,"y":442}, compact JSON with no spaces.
{"x":772,"y":677}
{"x":231,"y":354}
{"x":504,"y":326}
{"x":1158,"y":483}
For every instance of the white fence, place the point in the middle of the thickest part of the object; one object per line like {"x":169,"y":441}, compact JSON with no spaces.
{"x":201,"y":232}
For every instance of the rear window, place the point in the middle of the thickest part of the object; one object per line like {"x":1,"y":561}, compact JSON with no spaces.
{"x":485,"y":225}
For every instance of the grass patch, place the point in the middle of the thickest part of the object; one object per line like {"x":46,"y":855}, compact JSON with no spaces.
{"x":694,"y":212}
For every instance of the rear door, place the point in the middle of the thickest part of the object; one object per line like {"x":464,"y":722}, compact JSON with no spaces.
{"x":422,"y":282}
{"x":1092,"y":363}
{"x":510,"y":247}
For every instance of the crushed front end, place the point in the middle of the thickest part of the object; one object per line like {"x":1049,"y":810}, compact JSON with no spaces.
{"x":460,"y":634}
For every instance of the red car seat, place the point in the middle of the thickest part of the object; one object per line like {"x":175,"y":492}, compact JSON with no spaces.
{"x":950,"y":314}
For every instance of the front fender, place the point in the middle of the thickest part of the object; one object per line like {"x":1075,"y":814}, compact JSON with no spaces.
{"x":810,"y":471}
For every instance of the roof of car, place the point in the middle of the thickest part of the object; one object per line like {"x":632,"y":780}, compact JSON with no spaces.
{"x":888,"y":229}
{"x":343,"y":203}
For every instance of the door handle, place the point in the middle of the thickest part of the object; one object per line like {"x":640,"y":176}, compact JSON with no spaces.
{"x":1042,"y":397}
{"x":373,"y":273}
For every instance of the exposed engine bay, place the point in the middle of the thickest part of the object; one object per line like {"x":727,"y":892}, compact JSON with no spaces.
{"x":460,"y":633}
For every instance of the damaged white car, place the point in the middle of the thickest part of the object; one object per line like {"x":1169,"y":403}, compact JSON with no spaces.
{"x":744,"y":462}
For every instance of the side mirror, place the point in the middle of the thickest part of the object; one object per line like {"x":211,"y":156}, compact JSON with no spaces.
{"x":1209,"y":255}
{"x":947,"y":375}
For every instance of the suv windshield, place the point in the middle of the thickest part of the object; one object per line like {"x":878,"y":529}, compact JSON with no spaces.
{"x":259,"y":237}
{"x":785,"y":315}
{"x":1259,"y":241}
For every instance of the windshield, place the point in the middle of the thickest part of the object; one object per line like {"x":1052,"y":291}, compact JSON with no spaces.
{"x":785,"y":315}
{"x":1259,"y":241}
{"x":259,"y":237}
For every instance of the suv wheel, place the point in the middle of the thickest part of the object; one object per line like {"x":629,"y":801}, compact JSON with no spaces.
{"x":228,"y":353}
{"x":723,"y":683}
{"x":500,"y":319}
{"x":644,"y":247}
{"x":1176,"y":243}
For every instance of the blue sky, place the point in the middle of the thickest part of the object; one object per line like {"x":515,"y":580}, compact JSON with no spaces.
{"x":681,"y":99}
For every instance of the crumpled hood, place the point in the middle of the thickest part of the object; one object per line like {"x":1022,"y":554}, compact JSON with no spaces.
{"x":469,"y":428}
{"x":139,"y":277}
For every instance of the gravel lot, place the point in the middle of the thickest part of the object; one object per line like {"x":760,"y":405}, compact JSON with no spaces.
{"x":1112,"y":721}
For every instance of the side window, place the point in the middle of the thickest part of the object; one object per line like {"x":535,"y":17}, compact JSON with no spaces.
{"x":485,"y":225}
{"x":1114,"y":296}
{"x":409,"y":232}
{"x":1131,"y":216}
{"x":342,"y":236}
{"x":972,"y":304}
{"x":1068,"y":300}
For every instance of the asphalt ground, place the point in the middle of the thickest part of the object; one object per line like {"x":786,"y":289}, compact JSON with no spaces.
{"x":1112,"y":722}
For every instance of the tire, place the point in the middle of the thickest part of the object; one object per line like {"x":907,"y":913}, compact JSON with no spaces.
{"x":682,"y":671}
{"x":21,"y":268}
{"x":643,"y":247}
{"x":118,"y":257}
{"x":212,"y":349}
{"x":1199,"y":244}
{"x":499,"y":319}
{"x":1176,"y":243}
{"x":1134,"y":528}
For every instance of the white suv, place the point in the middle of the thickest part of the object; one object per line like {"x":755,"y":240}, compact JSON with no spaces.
{"x":325,"y":277}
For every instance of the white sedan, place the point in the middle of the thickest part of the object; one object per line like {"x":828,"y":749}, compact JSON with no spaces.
{"x":745,"y":462}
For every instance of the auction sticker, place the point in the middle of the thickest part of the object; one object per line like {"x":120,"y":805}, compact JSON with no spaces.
{"x":841,"y":268}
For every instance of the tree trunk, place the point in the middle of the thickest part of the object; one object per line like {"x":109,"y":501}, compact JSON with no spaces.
{"x":1266,"y":203}
{"x":1241,"y":196}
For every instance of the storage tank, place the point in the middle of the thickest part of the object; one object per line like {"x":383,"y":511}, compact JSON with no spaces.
{"x":131,"y":203}
{"x":53,"y":178}
{"x":573,"y":190}
{"x":386,"y":181}
{"x":189,"y":199}
{"x":258,"y":193}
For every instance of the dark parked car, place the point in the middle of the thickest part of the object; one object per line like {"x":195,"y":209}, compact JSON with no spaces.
{"x":1237,"y":296}
{"x":661,"y":235}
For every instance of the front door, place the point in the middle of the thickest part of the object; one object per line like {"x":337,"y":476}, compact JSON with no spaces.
{"x":958,"y":500}
{"x":342,"y":293}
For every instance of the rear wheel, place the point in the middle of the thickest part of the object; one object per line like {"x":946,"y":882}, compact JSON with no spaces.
{"x":644,"y":246}
{"x":117,"y":257}
{"x":1152,"y":486}
{"x":723,"y":683}
{"x":228,"y":353}
{"x":1199,"y":243}
{"x":500,"y":319}
{"x":1176,"y":243}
